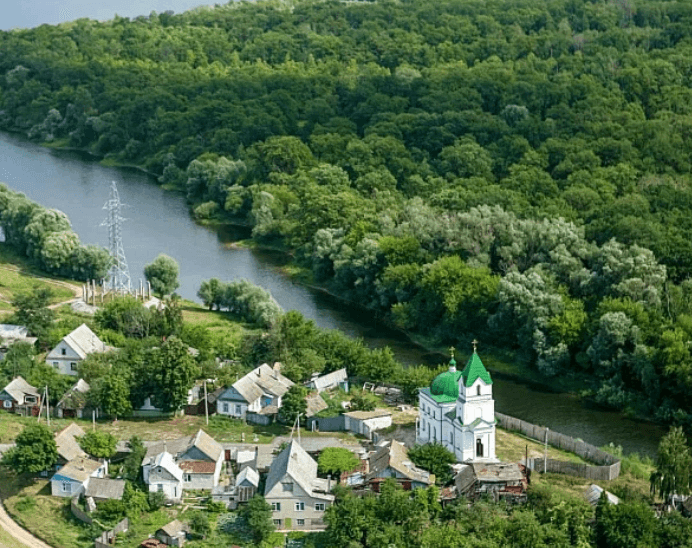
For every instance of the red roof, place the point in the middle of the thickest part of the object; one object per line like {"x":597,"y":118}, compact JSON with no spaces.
{"x":197,"y":466}
{"x":152,"y":543}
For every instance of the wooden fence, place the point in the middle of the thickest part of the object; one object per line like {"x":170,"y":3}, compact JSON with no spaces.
{"x":607,"y":466}
{"x":107,"y":538}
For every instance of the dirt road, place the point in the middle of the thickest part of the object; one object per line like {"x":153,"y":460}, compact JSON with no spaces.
{"x":18,"y":537}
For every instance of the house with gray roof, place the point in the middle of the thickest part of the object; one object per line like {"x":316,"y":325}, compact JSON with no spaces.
{"x":19,"y":397}
{"x":73,"y":348}
{"x":68,"y":446}
{"x":391,"y":461}
{"x":173,"y":533}
{"x":103,"y":489}
{"x":297,"y":496}
{"x":330,"y":381}
{"x":73,"y":478}
{"x":163,"y":475}
{"x":73,"y":404}
{"x":260,"y":392}
{"x":10,"y":334}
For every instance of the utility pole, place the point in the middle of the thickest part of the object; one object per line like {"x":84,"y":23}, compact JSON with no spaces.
{"x":47,"y":406}
{"x":206,"y":402}
{"x":545,"y":459}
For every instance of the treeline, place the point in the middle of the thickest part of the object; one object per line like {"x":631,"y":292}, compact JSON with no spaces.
{"x":45,"y":236}
{"x":509,"y":170}
{"x":400,"y":518}
{"x":243,"y":298}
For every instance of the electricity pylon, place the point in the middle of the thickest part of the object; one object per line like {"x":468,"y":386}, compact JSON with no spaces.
{"x":119,"y":274}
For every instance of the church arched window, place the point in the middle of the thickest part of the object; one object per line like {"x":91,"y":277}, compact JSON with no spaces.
{"x":478,"y":390}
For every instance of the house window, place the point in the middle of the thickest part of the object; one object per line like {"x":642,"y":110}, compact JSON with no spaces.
{"x":276,"y":507}
{"x":188,"y":477}
{"x":319,"y":507}
{"x":160,"y":488}
{"x":238,"y":410}
{"x":287,"y":486}
{"x":55,"y":364}
{"x":73,"y":366}
{"x":7,"y":403}
{"x":300,"y":522}
{"x":300,"y":506}
{"x":225,"y":408}
{"x":63,"y":351}
{"x":65,"y":488}
{"x":29,"y":399}
{"x":277,"y":522}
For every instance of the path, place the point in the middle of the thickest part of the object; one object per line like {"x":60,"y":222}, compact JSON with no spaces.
{"x":77,"y":291}
{"x":22,"y":538}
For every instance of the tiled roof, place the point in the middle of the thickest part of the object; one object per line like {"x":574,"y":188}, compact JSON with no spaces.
{"x":197,"y":466}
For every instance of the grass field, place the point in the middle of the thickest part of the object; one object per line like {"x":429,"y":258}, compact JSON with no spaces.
{"x":16,"y":274}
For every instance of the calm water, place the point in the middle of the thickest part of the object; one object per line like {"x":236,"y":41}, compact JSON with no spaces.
{"x":32,"y":13}
{"x":158,"y":222}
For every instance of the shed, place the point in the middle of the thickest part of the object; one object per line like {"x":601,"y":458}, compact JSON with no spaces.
{"x":367,"y":422}
{"x":593,"y":492}
{"x":103,"y":489}
{"x":173,"y":533}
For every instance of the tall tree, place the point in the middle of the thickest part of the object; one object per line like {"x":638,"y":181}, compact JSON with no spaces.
{"x":162,"y":274}
{"x":98,"y":444}
{"x":258,"y":515}
{"x":173,"y":371}
{"x":293,"y":403}
{"x":32,"y":310}
{"x":673,"y":473}
{"x":34,"y":452}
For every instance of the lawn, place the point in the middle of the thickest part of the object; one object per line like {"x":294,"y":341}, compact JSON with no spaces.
{"x":512,"y":447}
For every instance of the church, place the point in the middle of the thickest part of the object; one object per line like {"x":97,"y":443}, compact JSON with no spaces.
{"x":458,"y":411}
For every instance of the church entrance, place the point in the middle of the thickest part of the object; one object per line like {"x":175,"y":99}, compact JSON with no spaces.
{"x":479,"y":448}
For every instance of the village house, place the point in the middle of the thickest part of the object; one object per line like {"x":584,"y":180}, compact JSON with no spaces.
{"x":367,"y":422}
{"x":163,"y":475}
{"x":10,"y":334}
{"x":500,"y":481}
{"x":103,"y":489}
{"x":20,"y":397}
{"x":259,"y":393}
{"x":297,"y":496}
{"x":458,"y":411}
{"x":330,"y":381}
{"x":200,"y":459}
{"x":73,"y":478}
{"x":391,"y":461}
{"x":73,"y":403}
{"x":68,"y":446}
{"x":73,"y":348}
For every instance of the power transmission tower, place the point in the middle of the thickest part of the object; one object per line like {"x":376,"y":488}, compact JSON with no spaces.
{"x":119,"y":274}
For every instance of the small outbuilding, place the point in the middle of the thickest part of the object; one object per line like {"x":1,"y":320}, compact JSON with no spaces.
{"x":330,"y":381}
{"x":103,"y":489}
{"x":173,"y":533}
{"x":367,"y":422}
{"x":73,"y":403}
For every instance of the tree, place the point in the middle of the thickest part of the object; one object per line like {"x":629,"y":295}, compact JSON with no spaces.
{"x":673,"y":473}
{"x":98,"y":444}
{"x":435,"y":458}
{"x":126,"y":315}
{"x":132,"y":466}
{"x":335,"y":460}
{"x":35,"y":451}
{"x":162,"y":274}
{"x":258,"y":515}
{"x":363,"y":402}
{"x":199,"y":524}
{"x":32,"y":310}
{"x":112,"y":394}
{"x":293,"y":403}
{"x":624,"y":525}
{"x":173,"y":372}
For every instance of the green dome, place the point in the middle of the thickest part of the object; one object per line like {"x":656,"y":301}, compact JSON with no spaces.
{"x":446,"y":384}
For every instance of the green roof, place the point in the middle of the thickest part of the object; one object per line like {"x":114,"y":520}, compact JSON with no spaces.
{"x":446,"y":384}
{"x":475,"y":370}
{"x":439,"y":398}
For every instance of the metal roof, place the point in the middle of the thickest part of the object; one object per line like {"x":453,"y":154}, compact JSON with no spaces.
{"x":248,"y":474}
{"x":165,"y":461}
{"x":68,"y":446}
{"x":592,"y":494}
{"x":18,"y":388}
{"x":104,"y":488}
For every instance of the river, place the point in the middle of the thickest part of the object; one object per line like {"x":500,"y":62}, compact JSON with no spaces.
{"x":159,"y":222}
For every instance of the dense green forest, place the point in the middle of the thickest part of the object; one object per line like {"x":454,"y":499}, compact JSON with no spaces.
{"x":509,"y":170}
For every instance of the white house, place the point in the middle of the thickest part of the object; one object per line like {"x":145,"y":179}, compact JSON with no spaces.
{"x":73,"y":478}
{"x":458,"y":411}
{"x":297,"y":496}
{"x":19,"y":396}
{"x":73,"y":348}
{"x":199,"y":458}
{"x":163,"y":475}
{"x":258,"y":391}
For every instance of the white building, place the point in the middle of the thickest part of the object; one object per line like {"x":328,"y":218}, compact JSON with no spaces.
{"x":458,"y":411}
{"x":259,"y":391}
{"x":367,"y":422}
{"x":75,"y":347}
{"x":73,"y":478}
{"x":163,"y":475}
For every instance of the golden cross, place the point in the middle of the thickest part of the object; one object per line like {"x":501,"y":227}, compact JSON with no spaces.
{"x":474,"y":343}
{"x":451,"y":351}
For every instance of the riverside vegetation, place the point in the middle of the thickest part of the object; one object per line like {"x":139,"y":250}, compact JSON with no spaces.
{"x":509,"y":170}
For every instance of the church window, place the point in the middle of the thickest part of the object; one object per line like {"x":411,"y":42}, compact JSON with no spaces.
{"x":478,"y":390}
{"x":479,"y":448}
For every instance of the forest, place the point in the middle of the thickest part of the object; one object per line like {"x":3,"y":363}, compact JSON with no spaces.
{"x":512,"y":171}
